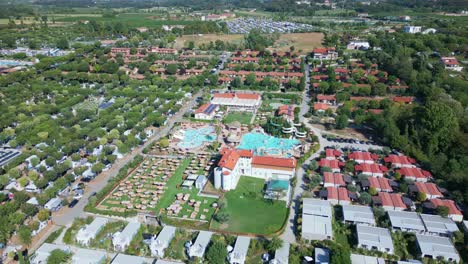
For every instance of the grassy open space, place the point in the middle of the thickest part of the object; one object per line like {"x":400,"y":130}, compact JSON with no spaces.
{"x":301,"y":41}
{"x":242,"y":117}
{"x":250,"y":212}
{"x":130,"y":19}
{"x":183,"y":41}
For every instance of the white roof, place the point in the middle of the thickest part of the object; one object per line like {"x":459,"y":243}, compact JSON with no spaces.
{"x":282,"y":254}
{"x":198,"y":248}
{"x":406,"y":220}
{"x":162,"y":261}
{"x":127,"y":234}
{"x":437,"y":246}
{"x":33,"y":201}
{"x":125,"y":259}
{"x":374,"y":237}
{"x":439,"y":224}
{"x":316,"y":207}
{"x":322,"y":256}
{"x":90,"y":231}
{"x":240,"y":249}
{"x":43,"y":252}
{"x":166,"y":234}
{"x":358,"y":214}
{"x":362,"y":259}
{"x":319,"y":225}
{"x":52,"y":203}
{"x":88,"y":256}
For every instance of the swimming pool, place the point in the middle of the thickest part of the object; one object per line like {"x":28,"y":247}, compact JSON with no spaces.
{"x":263,"y":144}
{"x":13,"y":63}
{"x":195,"y":137}
{"x":278,"y":185}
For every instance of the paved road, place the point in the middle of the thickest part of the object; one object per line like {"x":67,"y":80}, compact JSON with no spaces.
{"x":66,"y":215}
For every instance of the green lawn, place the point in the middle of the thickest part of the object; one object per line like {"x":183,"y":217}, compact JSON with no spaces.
{"x":242,"y":117}
{"x":249,"y":212}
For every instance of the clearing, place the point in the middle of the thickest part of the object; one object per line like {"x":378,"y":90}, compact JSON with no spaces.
{"x":301,"y":41}
{"x":242,"y":117}
{"x":250,"y":212}
{"x":183,"y":41}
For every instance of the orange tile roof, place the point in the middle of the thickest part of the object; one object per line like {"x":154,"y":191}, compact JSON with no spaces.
{"x":382,"y":184}
{"x":414,"y":172}
{"x":453,"y":209}
{"x":428,"y":188}
{"x":273,"y":161}
{"x":333,"y":178}
{"x":321,"y":106}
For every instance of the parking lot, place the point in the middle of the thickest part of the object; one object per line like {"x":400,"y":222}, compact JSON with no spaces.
{"x":351,"y":144}
{"x":244,"y":25}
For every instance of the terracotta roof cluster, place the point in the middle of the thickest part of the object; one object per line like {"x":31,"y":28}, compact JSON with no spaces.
{"x":231,"y":156}
{"x":332,"y":153}
{"x":382,"y":184}
{"x":359,"y":155}
{"x":323,"y":50}
{"x":414,"y":172}
{"x":333,"y":178}
{"x":428,"y":188}
{"x":340,"y":194}
{"x":453,"y":209}
{"x":403,"y":99}
{"x":372,"y":168}
{"x":399,"y":159}
{"x":391,"y":199}
{"x":242,"y":96}
{"x":286,"y":110}
{"x":333,"y":164}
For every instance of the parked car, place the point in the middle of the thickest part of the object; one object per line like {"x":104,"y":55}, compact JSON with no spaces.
{"x":73,"y":203}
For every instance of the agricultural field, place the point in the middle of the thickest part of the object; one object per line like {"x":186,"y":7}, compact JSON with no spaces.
{"x":301,"y":41}
{"x":183,"y":41}
{"x":250,"y":212}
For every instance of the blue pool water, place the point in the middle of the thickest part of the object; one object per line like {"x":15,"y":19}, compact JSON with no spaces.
{"x":278,"y":185}
{"x":11,"y":63}
{"x":263,"y":144}
{"x":194,"y":138}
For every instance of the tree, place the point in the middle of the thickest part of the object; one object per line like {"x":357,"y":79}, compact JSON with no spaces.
{"x":62,"y":43}
{"x":171,"y":69}
{"x":29,"y":209}
{"x":58,"y":256}
{"x":43,"y":215}
{"x":365,"y":198}
{"x":349,"y":166}
{"x":341,"y":121}
{"x":373,"y":191}
{"x":25,"y":235}
{"x":164,"y":142}
{"x":222,"y":216}
{"x":216,"y":253}
{"x":274,"y":244}
{"x":442,"y":211}
{"x":421,"y":196}
{"x":97,"y":168}
{"x":313,"y":165}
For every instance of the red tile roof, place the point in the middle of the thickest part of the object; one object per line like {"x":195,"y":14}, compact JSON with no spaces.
{"x":403,"y":99}
{"x":453,"y":209}
{"x":323,"y":50}
{"x":275,"y":162}
{"x":229,"y":159}
{"x":244,"y":96}
{"x":340,"y":194}
{"x":428,"y":188}
{"x":380,"y":184}
{"x":372,"y":168}
{"x":332,"y":153}
{"x":202,"y":108}
{"x":320,"y":106}
{"x":333,"y":164}
{"x":359,"y":155}
{"x":286,"y":110}
{"x":399,"y":159}
{"x":321,"y":97}
{"x":414,"y":172}
{"x":333,"y":178}
{"x":392,"y":199}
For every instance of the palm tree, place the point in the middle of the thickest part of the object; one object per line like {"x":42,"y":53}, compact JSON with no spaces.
{"x":274,"y":244}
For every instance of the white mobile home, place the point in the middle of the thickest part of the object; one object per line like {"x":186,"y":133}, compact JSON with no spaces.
{"x":160,"y":244}
{"x":88,"y":232}
{"x":121,"y":240}
{"x":238,"y":255}
{"x":198,"y":248}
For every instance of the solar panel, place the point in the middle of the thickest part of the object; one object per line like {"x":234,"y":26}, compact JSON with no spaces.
{"x":210,"y":108}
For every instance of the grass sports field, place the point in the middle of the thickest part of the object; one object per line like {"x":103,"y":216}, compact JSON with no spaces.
{"x":301,"y":41}
{"x":250,"y":212}
{"x":242,"y":117}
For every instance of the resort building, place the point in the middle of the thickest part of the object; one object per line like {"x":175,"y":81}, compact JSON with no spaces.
{"x":338,"y":195}
{"x":430,"y":189}
{"x":454,"y":213}
{"x":88,"y":232}
{"x":363,"y":157}
{"x":400,"y":161}
{"x":374,"y":238}
{"x":451,"y":63}
{"x":406,"y":221}
{"x":235,"y":163}
{"x":438,"y":225}
{"x":316,"y":219}
{"x":415,"y":174}
{"x":380,"y":184}
{"x":199,"y":247}
{"x":238,"y":101}
{"x":321,"y":107}
{"x":326,"y":99}
{"x":239,"y":254}
{"x":437,"y":247}
{"x":374,"y":170}
{"x":358,"y":44}
{"x":331,"y":179}
{"x":391,"y":201}
{"x":357,"y":214}
{"x":363,"y":259}
{"x":325,"y":54}
{"x":159,"y":245}
{"x":121,"y":240}
{"x":206,"y":112}
{"x":287,"y":111}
